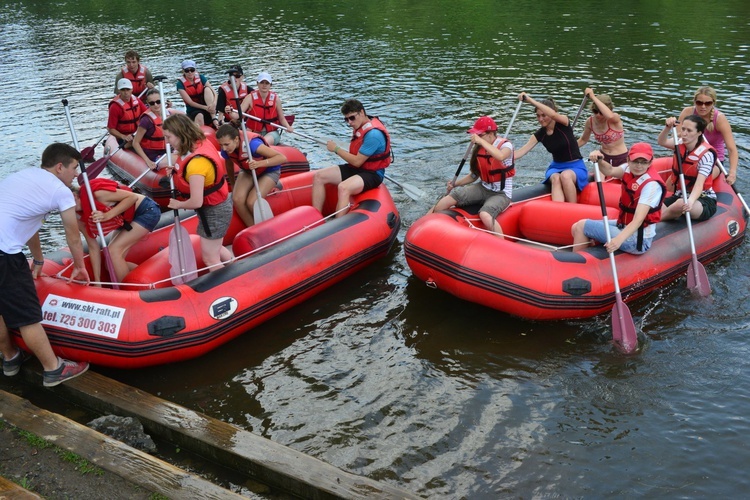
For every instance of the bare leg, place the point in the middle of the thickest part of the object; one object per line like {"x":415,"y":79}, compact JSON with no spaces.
{"x":348,"y":188}
{"x":491,"y":224}
{"x":569,"y":186}
{"x":445,"y":203}
{"x":242,"y":186}
{"x":329,"y":175}
{"x":580,"y":240}
{"x":557,"y":190}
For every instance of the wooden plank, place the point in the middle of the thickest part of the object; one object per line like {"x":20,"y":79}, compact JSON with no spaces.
{"x":261,"y":459}
{"x":114,"y":456}
{"x":9,"y":489}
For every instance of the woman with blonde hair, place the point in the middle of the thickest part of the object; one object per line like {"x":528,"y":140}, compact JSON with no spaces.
{"x":718,"y":132}
{"x":607,"y":127}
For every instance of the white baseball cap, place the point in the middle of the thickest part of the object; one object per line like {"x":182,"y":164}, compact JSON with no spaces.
{"x":264,"y":77}
{"x":124,"y":83}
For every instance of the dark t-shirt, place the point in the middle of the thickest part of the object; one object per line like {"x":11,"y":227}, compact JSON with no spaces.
{"x":562,"y":143}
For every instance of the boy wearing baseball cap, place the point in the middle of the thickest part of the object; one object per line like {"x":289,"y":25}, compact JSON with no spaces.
{"x":641,"y":197}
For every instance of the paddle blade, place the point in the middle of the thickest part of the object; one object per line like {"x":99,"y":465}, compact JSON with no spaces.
{"x":697,"y":279}
{"x":87,"y":154}
{"x":624,"y":335}
{"x":181,"y":256}
{"x":94,"y":169}
{"x":262,"y":210}
{"x":289,"y":119}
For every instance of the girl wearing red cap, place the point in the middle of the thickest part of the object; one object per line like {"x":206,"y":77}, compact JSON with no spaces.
{"x":491,"y":163}
{"x":567,"y":173}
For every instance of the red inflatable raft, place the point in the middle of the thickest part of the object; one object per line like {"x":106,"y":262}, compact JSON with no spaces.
{"x":127,"y":166}
{"x":279,"y":263}
{"x":532,"y":275}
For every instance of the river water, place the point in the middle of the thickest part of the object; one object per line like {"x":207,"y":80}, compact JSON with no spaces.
{"x":380,"y":375}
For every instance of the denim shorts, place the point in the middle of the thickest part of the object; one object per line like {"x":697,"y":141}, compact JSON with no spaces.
{"x":147,"y":214}
{"x":594,"y":229}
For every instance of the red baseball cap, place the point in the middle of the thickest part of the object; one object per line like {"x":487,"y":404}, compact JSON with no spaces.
{"x":641,"y":150}
{"x":482,"y":125}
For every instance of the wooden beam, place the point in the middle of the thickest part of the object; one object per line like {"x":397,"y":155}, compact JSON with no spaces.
{"x":261,"y":459}
{"x":114,"y":456}
{"x":9,"y":489}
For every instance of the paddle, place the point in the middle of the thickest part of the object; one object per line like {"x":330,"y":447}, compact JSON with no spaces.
{"x":580,"y":109}
{"x":261,"y":209}
{"x":96,"y":168}
{"x":90,"y":194}
{"x":512,"y":119}
{"x":697,"y":280}
{"x":181,"y":255}
{"x":87,"y":153}
{"x":143,"y":174}
{"x":624,"y":335}
{"x":461,"y":166}
{"x":724,"y":171}
{"x":412,"y":192}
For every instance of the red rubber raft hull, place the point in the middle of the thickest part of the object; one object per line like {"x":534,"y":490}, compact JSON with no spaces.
{"x":138,"y":326}
{"x":126,"y":166}
{"x":535,"y":282}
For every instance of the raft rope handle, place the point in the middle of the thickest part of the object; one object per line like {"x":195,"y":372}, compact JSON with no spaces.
{"x":515,"y":238}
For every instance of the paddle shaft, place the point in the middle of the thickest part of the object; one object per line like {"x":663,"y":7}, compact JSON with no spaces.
{"x":181,"y":252}
{"x":623,"y":331}
{"x":699,"y":274}
{"x":512,"y":119}
{"x":259,"y":196}
{"x":90,"y":195}
{"x":580,"y":109}
{"x":742,"y":200}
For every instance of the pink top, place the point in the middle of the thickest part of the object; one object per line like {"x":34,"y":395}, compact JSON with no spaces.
{"x":714,"y":137}
{"x":608,"y":137}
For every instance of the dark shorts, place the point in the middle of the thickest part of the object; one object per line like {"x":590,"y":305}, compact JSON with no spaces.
{"x":19,"y":303}
{"x":218,"y":218}
{"x":708,"y":203}
{"x":207,"y":118}
{"x":616,"y":160}
{"x":371,"y":178}
{"x":147,"y":214}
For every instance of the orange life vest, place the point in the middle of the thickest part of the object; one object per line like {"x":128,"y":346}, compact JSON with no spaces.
{"x":630,"y":194}
{"x":239,"y":155}
{"x":138,"y":79}
{"x":128,"y":121}
{"x":379,"y":160}
{"x":194,"y":89}
{"x":215,"y":193}
{"x":156,"y":139}
{"x":263,"y":110}
{"x":122,"y":220}
{"x":231,"y":97}
{"x":690,"y":162}
{"x":492,"y":170}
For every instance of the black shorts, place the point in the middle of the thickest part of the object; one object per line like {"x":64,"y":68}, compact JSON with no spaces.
{"x":19,"y":303}
{"x":207,"y":118}
{"x":371,"y":178}
{"x":708,"y":203}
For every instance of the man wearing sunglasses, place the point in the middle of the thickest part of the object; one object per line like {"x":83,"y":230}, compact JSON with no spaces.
{"x":366,"y":159}
{"x":197,"y":93}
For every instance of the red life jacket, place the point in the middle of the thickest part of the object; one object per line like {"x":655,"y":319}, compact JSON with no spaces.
{"x":122,"y":220}
{"x":194,"y":89}
{"x":215,"y":193}
{"x":156,"y":139}
{"x":239,"y":155}
{"x":491,"y":169}
{"x":690,"y":162}
{"x":263,"y":110}
{"x":128,"y":122}
{"x":231,"y":96}
{"x":138,"y":79}
{"x":379,"y":160}
{"x":632,"y":187}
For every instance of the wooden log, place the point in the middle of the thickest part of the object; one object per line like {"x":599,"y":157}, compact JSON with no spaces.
{"x":114,"y":456}
{"x":9,"y":489}
{"x":261,"y":459}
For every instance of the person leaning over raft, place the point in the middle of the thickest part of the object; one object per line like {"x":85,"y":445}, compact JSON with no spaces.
{"x":610,"y":134}
{"x":718,"y":132}
{"x":125,"y":110}
{"x":366,"y":160}
{"x":197,"y":93}
{"x":117,"y":208}
{"x":567,"y":173}
{"x":27,"y":197}
{"x":492,"y":163}
{"x":200,"y":176}
{"x":698,"y":159}
{"x":138,"y":74}
{"x":265,"y":160}
{"x":640,"y":204}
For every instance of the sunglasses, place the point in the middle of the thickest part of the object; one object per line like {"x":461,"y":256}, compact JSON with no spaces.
{"x":640,"y":161}
{"x":153,"y":103}
{"x":350,"y":118}
{"x":703,"y":103}
{"x":189,"y":70}
{"x":595,"y":112}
